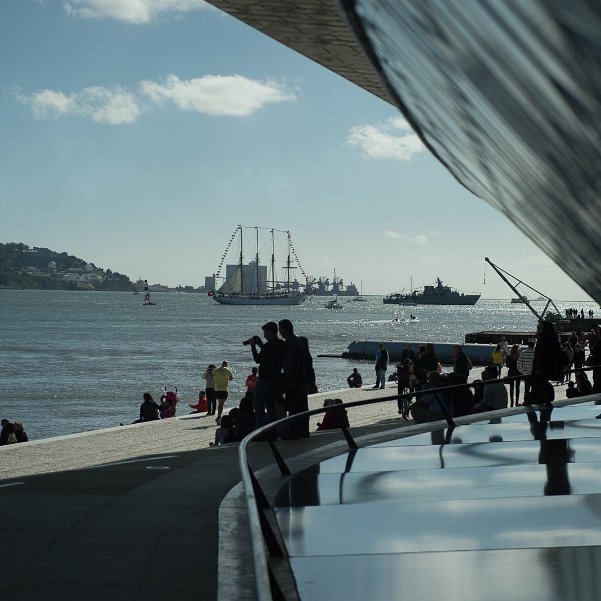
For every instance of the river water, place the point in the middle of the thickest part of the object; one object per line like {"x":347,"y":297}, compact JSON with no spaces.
{"x":77,"y":361}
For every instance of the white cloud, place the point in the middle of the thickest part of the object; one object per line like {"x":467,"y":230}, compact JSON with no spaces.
{"x":131,"y":11}
{"x":111,"y":106}
{"x":420,"y":239}
{"x":50,"y":103}
{"x":212,"y":95}
{"x":231,"y":95}
{"x":393,"y":139}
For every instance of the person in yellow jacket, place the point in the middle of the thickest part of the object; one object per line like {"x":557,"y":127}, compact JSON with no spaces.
{"x":223,"y":376}
{"x":498,"y":358}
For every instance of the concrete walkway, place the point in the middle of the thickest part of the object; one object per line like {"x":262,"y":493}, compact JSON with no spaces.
{"x":133,"y":512}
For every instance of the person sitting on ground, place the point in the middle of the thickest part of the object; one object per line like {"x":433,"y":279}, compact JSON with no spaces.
{"x":355,"y":380}
{"x":168,"y":404}
{"x":7,"y":435}
{"x":571,"y":390}
{"x":225,"y":432}
{"x":432,"y":405}
{"x":202,"y":405}
{"x":244,"y":420}
{"x":149,"y":410}
{"x":20,"y":433}
{"x":583,"y":384}
{"x":335,"y":416}
{"x":494,"y":396}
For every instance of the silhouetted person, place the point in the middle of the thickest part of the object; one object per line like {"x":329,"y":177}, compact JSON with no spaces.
{"x":296,"y":380}
{"x":355,"y":380}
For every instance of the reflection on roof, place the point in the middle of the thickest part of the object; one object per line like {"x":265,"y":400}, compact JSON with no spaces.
{"x":483,"y":512}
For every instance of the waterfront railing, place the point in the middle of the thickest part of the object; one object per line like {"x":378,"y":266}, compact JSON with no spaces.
{"x":273,"y":575}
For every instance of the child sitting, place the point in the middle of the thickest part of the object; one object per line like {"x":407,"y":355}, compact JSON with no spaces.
{"x":201,"y":406}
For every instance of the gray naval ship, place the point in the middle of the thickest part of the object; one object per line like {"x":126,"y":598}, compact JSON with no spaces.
{"x":438,"y":294}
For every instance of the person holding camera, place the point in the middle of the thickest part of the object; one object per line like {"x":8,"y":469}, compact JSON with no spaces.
{"x":270,"y":356}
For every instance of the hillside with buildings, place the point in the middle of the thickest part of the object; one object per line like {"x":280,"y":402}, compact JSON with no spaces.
{"x":25,"y":267}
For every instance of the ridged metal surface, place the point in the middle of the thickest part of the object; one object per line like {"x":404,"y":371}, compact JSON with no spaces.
{"x":507,"y":96}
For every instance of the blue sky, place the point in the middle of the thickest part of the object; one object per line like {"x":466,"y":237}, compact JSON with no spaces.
{"x":137,"y":134}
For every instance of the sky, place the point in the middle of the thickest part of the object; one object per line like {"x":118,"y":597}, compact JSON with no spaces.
{"x":137,"y":134}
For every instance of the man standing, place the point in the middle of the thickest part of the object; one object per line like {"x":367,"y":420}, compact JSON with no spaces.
{"x":295,"y":376}
{"x":525,"y":361}
{"x":461,"y":364}
{"x":270,"y":357}
{"x":381,"y":366}
{"x":223,"y":376}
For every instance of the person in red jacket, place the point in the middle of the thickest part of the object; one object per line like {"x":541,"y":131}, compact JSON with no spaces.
{"x":201,"y":406}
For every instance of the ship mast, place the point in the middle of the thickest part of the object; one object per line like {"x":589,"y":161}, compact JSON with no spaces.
{"x":272,"y":262}
{"x":257,"y":261}
{"x":288,"y":264}
{"x":241,"y":265}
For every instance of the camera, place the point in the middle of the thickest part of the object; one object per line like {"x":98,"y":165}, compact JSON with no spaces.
{"x":252,"y":340}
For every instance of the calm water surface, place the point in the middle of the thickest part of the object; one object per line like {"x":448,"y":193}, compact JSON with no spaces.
{"x":77,"y":361}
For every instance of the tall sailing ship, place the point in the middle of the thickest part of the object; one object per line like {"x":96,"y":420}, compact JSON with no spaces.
{"x":258,"y":282}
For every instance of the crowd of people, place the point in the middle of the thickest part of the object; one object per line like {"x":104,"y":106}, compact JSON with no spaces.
{"x":278,"y":387}
{"x":284,"y":377}
{"x":528,"y":374}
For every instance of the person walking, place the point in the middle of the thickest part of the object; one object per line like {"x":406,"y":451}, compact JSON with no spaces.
{"x":210,"y":389}
{"x":223,"y":376}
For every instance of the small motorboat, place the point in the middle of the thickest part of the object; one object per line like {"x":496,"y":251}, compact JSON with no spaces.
{"x":333,"y":304}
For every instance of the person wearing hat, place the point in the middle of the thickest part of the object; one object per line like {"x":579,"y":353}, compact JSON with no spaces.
{"x":494,"y":395}
{"x":270,"y":356}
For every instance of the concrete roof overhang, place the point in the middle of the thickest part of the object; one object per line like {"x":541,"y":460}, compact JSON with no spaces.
{"x":317,"y":29}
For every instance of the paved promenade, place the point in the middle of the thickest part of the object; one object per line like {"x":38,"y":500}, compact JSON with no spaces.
{"x":129,"y":512}
{"x":133,"y":512}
